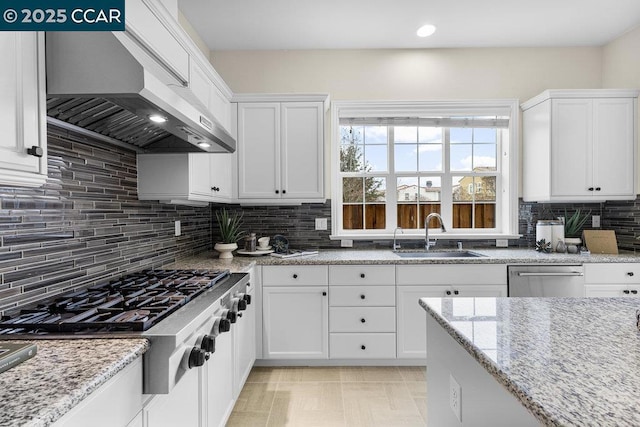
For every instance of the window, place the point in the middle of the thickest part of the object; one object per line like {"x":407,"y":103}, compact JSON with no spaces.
{"x":396,"y":165}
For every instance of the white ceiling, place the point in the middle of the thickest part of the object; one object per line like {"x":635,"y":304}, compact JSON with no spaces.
{"x":356,"y":24}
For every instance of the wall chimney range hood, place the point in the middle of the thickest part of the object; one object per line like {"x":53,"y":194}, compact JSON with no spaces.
{"x":109,"y":84}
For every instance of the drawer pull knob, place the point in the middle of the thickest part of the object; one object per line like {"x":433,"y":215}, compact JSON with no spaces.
{"x":277,"y":191}
{"x":630,"y":273}
{"x":295,"y":276}
{"x":362,"y":296}
{"x":362,"y":320}
{"x":590,"y":189}
{"x":633,"y":291}
{"x":324,"y":293}
{"x":362,"y":275}
{"x":456,"y":292}
{"x":598,"y":188}
{"x":626,"y":291}
{"x":363,"y":347}
{"x":448,"y":292}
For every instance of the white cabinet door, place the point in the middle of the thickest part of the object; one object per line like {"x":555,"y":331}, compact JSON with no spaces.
{"x":302,"y":150}
{"x":221,"y":167}
{"x":411,"y":334}
{"x":179,"y":408}
{"x":22,"y":108}
{"x":613,"y":147}
{"x":245,"y":345}
{"x":259,"y":150}
{"x":219,"y":393}
{"x":296,"y":322}
{"x":199,"y":176}
{"x":572,"y":137}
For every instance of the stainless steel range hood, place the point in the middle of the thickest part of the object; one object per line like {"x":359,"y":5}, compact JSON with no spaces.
{"x":109,"y":84}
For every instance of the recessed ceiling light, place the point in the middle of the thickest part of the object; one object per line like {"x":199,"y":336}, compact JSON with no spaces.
{"x":426,"y":30}
{"x":204,"y":144}
{"x":157,"y":118}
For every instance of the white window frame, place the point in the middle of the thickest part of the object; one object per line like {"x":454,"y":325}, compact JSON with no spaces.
{"x":507,"y":159}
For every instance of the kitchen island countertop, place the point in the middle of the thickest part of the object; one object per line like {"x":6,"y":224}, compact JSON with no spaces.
{"x":569,"y":361}
{"x":42,"y":389}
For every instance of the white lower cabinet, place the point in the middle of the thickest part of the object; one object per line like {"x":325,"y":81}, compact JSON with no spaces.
{"x":219,"y":394}
{"x":439,"y":281}
{"x":123,"y":391}
{"x":612,"y":280}
{"x":245,"y":343}
{"x":180,"y":407}
{"x":363,"y":346}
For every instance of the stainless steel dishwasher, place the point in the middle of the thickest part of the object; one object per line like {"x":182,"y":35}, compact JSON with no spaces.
{"x":546,"y":281}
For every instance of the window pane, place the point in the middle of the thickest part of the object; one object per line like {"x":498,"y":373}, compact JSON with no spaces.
{"x":484,"y":157}
{"x":375,"y":158}
{"x":461,"y":157}
{"x":375,"y":190}
{"x":351,"y":134}
{"x":405,"y":134}
{"x":462,"y":188}
{"x":406,"y":158}
{"x":407,"y":192}
{"x":351,"y":158}
{"x":375,"y":135}
{"x":425,"y":210}
{"x":429,"y":135}
{"x":430,"y":157}
{"x":462,"y":215}
{"x":407,"y":189}
{"x":375,"y":216}
{"x":485,"y":215}
{"x":352,"y":217}
{"x":484,"y":135}
{"x":430,"y":189}
{"x":461,"y":135}
{"x":407,"y":215}
{"x":352,"y":190}
{"x":485,"y":188}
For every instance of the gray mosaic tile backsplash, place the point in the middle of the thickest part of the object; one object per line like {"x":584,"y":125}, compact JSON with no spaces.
{"x":86,"y":224}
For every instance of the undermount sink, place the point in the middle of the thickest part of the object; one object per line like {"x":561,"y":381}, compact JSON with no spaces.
{"x":436,"y":254}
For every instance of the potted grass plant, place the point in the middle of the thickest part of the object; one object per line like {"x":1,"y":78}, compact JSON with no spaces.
{"x":230,"y":232}
{"x":573,"y":227}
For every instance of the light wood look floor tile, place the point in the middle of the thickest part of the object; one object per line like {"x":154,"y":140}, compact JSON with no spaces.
{"x":332,"y":397}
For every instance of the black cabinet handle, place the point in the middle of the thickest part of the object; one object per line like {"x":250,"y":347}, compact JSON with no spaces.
{"x":456,"y":292}
{"x":277,"y":191}
{"x":295,"y":276}
{"x":324,"y":294}
{"x":362,"y":296}
{"x":363,"y":347}
{"x":633,"y":291}
{"x":284,"y":191}
{"x":626,"y":291}
{"x":598,"y":188}
{"x":630,"y":273}
{"x":448,"y":292}
{"x":362,"y":275}
{"x":35,"y":151}
{"x":590,"y":189}
{"x":362,"y":320}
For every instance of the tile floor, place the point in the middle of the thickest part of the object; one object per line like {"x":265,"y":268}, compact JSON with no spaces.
{"x":332,"y":396}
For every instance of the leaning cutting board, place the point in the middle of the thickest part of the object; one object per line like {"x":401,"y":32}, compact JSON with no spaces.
{"x":601,"y":241}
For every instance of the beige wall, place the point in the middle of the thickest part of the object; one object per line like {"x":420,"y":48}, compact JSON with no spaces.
{"x":621,"y":61}
{"x":412,"y":73}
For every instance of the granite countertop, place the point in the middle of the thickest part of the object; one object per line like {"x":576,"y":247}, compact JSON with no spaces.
{"x":386,"y":256}
{"x":63,"y":372}
{"x":569,"y":361}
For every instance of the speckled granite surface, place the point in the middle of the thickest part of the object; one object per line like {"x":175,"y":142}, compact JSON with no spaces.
{"x":382,"y":256}
{"x":63,"y":372}
{"x":570,"y":361}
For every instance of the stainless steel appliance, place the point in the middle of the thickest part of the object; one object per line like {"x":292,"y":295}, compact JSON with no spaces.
{"x":546,"y":281}
{"x":180,"y":311}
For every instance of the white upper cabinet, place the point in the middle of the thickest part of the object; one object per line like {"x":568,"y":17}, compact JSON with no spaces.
{"x":281,"y":150}
{"x":23,"y":146}
{"x":580,"y":145}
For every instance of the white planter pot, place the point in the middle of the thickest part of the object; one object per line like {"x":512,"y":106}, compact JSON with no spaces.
{"x":226,"y":249}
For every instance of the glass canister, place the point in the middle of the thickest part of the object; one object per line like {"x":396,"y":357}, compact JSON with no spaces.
{"x":551,"y":230}
{"x":250,"y":242}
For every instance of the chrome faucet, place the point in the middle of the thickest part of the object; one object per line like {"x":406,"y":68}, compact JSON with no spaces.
{"x":427,"y":242}
{"x":396,"y":247}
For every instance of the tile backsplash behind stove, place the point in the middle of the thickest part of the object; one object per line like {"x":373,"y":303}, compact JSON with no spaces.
{"x":87,"y":224}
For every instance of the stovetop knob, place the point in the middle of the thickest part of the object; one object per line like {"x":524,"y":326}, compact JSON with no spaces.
{"x":242,"y":304}
{"x":232,"y":316}
{"x":208,"y":344}
{"x":247,"y":298}
{"x":197,"y":357}
{"x":224,"y":326}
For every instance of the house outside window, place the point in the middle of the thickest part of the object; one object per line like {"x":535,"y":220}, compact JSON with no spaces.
{"x":394,"y":164}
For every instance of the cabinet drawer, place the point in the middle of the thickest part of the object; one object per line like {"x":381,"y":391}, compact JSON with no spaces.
{"x":362,"y":274}
{"x":360,"y":296}
{"x":612,"y":273}
{"x":294,"y":275}
{"x":609,"y":291}
{"x":460,"y":274}
{"x":362,"y":346}
{"x":362,"y":319}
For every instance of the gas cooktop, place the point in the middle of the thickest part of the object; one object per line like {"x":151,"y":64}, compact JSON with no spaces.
{"x":134,"y":302}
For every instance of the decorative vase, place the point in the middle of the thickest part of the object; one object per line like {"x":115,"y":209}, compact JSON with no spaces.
{"x":573,"y":243}
{"x":226,"y":249}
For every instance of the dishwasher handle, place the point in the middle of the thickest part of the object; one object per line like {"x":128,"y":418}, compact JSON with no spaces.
{"x":559,"y":273}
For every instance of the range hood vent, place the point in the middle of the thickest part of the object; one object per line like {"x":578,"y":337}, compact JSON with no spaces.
{"x":108,"y":84}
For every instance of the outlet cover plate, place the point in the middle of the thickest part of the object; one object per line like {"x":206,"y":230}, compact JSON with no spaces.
{"x":321,"y":223}
{"x":455,"y":397}
{"x":595,"y":221}
{"x":178,"y":229}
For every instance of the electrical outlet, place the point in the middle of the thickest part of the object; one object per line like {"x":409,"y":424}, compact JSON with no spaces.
{"x":178,"y":229}
{"x":502,"y":243}
{"x":346,"y":243}
{"x":321,"y":223}
{"x":595,"y":221}
{"x":455,"y":397}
